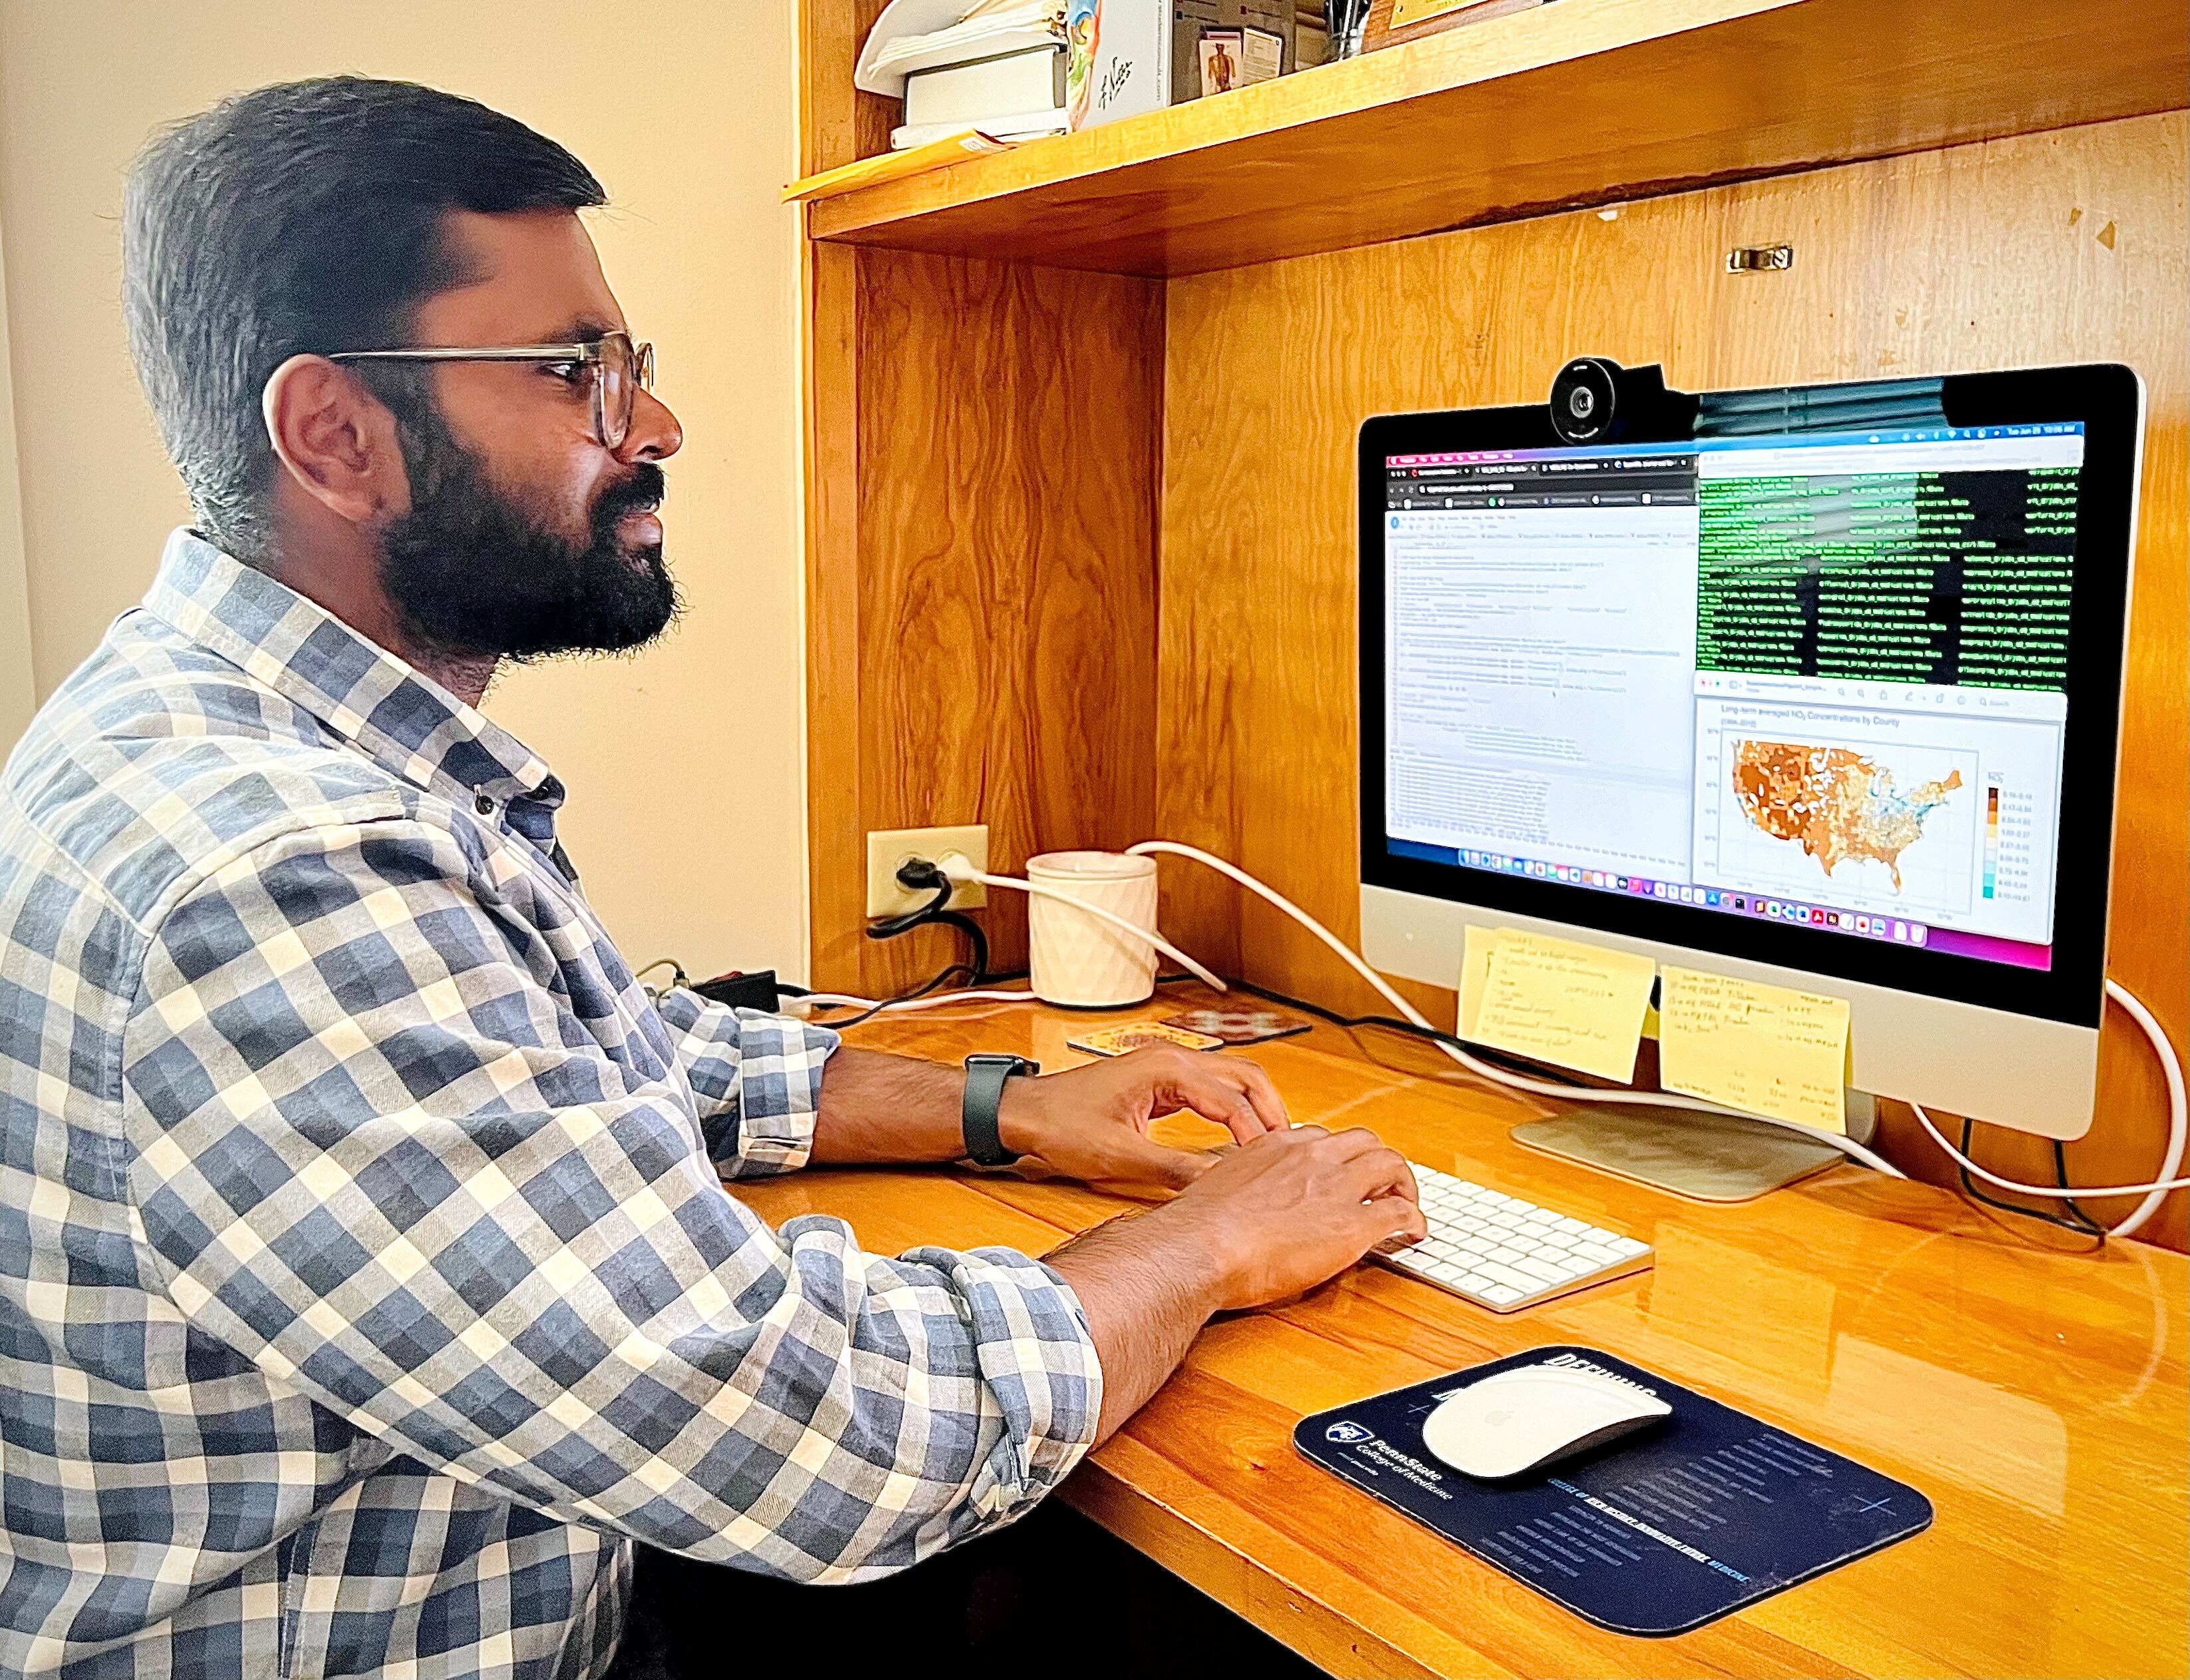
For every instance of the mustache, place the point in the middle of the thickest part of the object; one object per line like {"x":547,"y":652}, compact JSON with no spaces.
{"x":641,"y":493}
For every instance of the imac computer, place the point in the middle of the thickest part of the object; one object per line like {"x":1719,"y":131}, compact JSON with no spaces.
{"x":1818,"y":687}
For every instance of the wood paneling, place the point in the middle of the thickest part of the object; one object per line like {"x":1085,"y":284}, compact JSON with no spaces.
{"x":982,"y":443}
{"x":985,"y":643}
{"x":1581,"y":102}
{"x":2065,"y":247}
{"x":2037,"y":1398}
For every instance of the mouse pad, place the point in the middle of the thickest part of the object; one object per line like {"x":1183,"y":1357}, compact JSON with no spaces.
{"x":1659,"y":1533}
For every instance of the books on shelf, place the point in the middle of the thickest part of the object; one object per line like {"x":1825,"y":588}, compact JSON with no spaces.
{"x":1014,"y":96}
{"x":1028,"y":81}
{"x":998,"y":68}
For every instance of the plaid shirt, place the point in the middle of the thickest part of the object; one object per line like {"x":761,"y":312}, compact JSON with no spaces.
{"x":366,"y":1281}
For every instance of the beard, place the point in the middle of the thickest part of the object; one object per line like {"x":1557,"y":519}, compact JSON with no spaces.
{"x":475,"y":572}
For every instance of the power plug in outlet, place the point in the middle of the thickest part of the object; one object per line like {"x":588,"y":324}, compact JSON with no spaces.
{"x":889,"y":848}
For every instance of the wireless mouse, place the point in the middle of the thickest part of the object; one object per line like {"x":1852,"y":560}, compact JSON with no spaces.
{"x":1534,"y":1415}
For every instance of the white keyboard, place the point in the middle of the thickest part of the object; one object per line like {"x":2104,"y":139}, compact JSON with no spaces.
{"x":1503,"y":1253}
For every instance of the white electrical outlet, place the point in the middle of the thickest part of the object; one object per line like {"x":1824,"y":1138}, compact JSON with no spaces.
{"x":888,"y":848}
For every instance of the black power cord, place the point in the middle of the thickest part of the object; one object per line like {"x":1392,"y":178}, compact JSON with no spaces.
{"x":918,"y":875}
{"x":1353,"y":1023}
{"x":2082,"y":1224}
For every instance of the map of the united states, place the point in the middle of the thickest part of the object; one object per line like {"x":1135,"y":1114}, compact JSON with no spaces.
{"x":1833,"y":802}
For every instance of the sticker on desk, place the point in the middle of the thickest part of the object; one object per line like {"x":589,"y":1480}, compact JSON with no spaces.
{"x":1238,"y":1026}
{"x":1118,"y":1041}
{"x":1656,"y":1534}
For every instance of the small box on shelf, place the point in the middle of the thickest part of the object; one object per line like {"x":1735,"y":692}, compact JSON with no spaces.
{"x":1129,"y":56}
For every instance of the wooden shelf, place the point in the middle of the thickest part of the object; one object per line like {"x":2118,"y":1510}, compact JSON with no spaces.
{"x":1581,"y":102}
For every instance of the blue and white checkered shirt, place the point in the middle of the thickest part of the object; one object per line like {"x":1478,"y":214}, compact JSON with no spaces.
{"x":365,"y":1281}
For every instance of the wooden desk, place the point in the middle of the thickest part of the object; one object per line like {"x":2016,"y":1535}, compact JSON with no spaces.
{"x":2037,"y":1396}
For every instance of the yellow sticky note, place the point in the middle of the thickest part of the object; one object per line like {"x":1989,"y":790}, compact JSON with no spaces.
{"x":1762,"y":1049}
{"x":1474,"y":970}
{"x":1575,"y":1005}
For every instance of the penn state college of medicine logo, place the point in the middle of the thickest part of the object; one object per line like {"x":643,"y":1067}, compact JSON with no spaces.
{"x":1347,"y":1434}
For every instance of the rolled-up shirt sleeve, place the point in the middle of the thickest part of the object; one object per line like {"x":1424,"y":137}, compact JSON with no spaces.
{"x":375,"y":1153}
{"x":756,"y":1079}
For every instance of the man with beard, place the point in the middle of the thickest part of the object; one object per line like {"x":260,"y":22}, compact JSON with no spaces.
{"x":367,"y":1286}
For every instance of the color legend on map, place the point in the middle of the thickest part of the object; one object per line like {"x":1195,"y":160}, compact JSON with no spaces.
{"x":1992,"y":840}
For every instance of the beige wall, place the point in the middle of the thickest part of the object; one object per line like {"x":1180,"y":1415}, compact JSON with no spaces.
{"x":18,"y":687}
{"x":687,"y":808}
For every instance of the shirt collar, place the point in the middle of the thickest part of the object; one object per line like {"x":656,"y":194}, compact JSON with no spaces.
{"x":397,"y":716}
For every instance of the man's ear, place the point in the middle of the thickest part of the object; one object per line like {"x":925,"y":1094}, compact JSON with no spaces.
{"x":335,"y":441}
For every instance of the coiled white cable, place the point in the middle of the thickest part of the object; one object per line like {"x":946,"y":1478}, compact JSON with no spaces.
{"x":2178,"y":1132}
{"x":1569,"y":1094}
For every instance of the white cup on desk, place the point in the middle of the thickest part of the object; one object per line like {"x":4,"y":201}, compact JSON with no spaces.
{"x":1073,"y":958}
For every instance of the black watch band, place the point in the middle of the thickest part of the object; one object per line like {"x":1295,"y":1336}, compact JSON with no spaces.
{"x":984,"y":1095}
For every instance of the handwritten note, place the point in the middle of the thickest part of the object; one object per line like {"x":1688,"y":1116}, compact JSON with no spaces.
{"x":1474,"y":970}
{"x":1763,"y":1049}
{"x":1575,"y":1005}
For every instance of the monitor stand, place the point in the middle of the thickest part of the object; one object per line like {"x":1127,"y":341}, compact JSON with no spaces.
{"x":1706,"y":1157}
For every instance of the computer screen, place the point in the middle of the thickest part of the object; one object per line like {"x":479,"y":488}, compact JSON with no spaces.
{"x":1818,"y":682}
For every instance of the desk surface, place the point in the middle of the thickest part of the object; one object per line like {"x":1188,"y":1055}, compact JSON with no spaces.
{"x":2037,"y":1396}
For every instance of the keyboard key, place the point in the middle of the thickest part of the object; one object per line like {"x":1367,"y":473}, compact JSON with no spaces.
{"x":1502,"y":1251}
{"x":1512,"y":1277}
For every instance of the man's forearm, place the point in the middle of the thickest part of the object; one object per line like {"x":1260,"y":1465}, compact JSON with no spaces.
{"x":879,"y":1108}
{"x":1148,"y":1283}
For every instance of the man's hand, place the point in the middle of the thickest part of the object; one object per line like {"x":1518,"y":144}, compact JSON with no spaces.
{"x":1091,"y":1122}
{"x":1272,"y":1219}
{"x":1288,"y":1211}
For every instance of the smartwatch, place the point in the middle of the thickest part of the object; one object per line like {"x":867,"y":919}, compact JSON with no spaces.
{"x":984,"y":1095}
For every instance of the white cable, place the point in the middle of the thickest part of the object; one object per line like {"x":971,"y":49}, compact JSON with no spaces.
{"x":2178,"y":1132}
{"x":2059,"y":1193}
{"x":2178,"y":1121}
{"x":840,"y":1000}
{"x":2154,"y":1194}
{"x":1569,"y":1094}
{"x":960,"y":870}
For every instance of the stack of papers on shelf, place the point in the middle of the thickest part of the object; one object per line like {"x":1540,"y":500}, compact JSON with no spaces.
{"x":996,"y":66}
{"x":915,"y":35}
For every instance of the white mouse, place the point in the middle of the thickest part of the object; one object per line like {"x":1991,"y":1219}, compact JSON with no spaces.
{"x":1532,"y":1416}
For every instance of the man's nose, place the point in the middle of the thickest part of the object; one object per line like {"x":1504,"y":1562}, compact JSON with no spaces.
{"x":654,"y":435}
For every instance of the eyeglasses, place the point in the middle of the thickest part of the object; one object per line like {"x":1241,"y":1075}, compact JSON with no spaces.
{"x":613,"y":367}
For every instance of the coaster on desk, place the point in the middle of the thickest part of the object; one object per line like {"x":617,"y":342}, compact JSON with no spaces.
{"x":1117,"y":1040}
{"x":1657,"y":1533}
{"x":1238,"y":1026}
